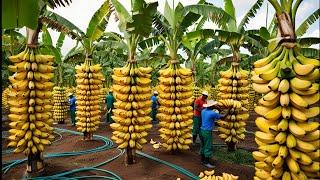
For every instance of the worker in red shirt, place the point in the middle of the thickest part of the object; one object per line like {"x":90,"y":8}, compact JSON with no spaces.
{"x":198,"y":106}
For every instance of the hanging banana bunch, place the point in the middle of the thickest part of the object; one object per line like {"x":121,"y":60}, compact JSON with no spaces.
{"x":5,"y":105}
{"x":88,"y":91}
{"x":213,"y":93}
{"x":196,"y":92}
{"x":289,"y":135}
{"x":104,"y":92}
{"x":132,"y":91}
{"x":233,"y":85}
{"x":175,"y":111}
{"x":70,"y":90}
{"x":30,"y":102}
{"x":60,"y":107}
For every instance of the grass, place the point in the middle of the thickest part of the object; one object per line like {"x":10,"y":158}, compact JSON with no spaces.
{"x":239,"y":156}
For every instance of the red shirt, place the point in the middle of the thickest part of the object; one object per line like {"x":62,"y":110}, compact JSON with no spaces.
{"x":199,"y":102}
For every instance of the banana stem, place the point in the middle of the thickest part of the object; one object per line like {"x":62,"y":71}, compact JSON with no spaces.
{"x":294,"y":10}
{"x":276,"y":6}
{"x":286,"y":27}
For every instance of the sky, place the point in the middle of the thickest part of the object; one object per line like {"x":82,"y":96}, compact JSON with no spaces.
{"x":81,"y":11}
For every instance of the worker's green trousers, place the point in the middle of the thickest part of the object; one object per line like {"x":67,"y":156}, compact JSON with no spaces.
{"x":109,"y":117}
{"x":206,"y":143}
{"x":73,"y":117}
{"x":196,"y":125}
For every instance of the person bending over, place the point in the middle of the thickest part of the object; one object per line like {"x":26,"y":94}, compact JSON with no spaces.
{"x":208,"y":117}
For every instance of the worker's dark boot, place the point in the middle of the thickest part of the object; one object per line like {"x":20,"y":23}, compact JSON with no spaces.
{"x":207,"y":163}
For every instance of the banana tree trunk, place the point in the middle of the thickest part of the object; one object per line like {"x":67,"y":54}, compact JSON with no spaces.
{"x":286,"y":27}
{"x":236,"y":55}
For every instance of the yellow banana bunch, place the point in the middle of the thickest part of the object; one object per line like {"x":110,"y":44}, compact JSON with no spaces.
{"x":89,"y":83}
{"x":196,"y":92}
{"x":104,"y":92}
{"x":175,"y":110}
{"x":132,"y":106}
{"x":233,"y":87}
{"x":213,"y":92}
{"x":289,"y":137}
{"x":5,"y":96}
{"x":209,"y":175}
{"x":70,"y":90}
{"x":30,"y":104}
{"x":60,"y":106}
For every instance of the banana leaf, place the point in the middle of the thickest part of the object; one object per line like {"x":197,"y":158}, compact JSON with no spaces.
{"x":99,"y":21}
{"x":302,"y":29}
{"x":309,"y":41}
{"x":250,"y":14}
{"x":20,"y":13}
{"x":142,"y":12}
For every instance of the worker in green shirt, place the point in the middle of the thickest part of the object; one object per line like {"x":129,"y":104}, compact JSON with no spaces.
{"x":109,"y":101}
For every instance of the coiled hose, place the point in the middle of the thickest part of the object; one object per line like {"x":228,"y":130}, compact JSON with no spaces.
{"x":108,"y":145}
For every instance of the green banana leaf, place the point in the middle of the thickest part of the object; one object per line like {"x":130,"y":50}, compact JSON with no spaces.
{"x":99,"y":21}
{"x":20,"y":13}
{"x":250,"y":14}
{"x":304,"y":26}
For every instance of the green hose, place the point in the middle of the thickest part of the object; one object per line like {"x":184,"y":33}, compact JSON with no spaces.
{"x":178,"y":168}
{"x":108,"y":145}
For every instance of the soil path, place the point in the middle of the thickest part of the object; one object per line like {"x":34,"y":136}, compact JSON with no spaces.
{"x":144,"y":169}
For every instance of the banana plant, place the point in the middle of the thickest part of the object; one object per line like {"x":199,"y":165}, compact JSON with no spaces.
{"x":64,"y":69}
{"x":134,"y":26}
{"x":193,"y":43}
{"x":230,"y":34}
{"x":18,"y":14}
{"x":94,"y":32}
{"x":110,"y":53}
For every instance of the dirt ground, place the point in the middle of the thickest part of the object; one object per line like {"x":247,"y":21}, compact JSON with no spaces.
{"x":144,"y":169}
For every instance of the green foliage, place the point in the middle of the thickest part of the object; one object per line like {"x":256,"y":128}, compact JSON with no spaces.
{"x":302,"y":29}
{"x":142,"y":12}
{"x":60,"y":24}
{"x":99,"y":21}
{"x":216,"y":14}
{"x":250,"y":14}
{"x":239,"y":156}
{"x":311,"y":52}
{"x":307,"y":42}
{"x":122,"y":14}
{"x":12,"y":43}
{"x":174,"y":16}
{"x":20,"y":13}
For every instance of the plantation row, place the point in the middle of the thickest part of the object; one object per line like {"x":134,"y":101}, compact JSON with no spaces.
{"x":282,"y":87}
